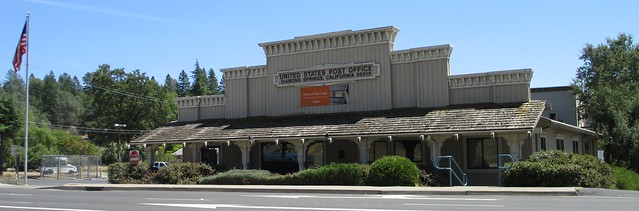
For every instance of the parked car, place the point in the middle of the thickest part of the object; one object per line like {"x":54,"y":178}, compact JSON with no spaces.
{"x":158,"y":165}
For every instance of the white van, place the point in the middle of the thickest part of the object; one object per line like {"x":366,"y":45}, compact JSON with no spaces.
{"x":158,"y":165}
{"x":63,"y":166}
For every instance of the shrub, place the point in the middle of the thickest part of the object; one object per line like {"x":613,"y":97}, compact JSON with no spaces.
{"x":393,"y":171}
{"x":332,"y":174}
{"x":124,"y":173}
{"x":625,"y":179}
{"x":182,"y":173}
{"x":241,"y":177}
{"x":559,"y":169}
{"x":425,"y":178}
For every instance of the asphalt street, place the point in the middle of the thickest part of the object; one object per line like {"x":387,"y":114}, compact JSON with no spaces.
{"x":32,"y":198}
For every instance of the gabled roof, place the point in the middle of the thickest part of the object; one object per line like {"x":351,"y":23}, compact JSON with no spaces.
{"x":451,"y":119}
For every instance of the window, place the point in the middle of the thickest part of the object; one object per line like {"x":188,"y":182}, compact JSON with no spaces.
{"x":560,"y":144}
{"x":378,"y":150}
{"x":553,"y":116}
{"x":586,"y":148}
{"x":482,"y":153}
{"x":575,"y":146}
{"x":542,"y":143}
{"x":314,"y":155}
{"x":409,"y":149}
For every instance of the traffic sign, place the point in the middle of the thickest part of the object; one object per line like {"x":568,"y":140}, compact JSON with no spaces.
{"x":134,"y":157}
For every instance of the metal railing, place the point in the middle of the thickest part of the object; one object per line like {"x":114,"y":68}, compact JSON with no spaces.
{"x":501,"y":165}
{"x":451,"y":172}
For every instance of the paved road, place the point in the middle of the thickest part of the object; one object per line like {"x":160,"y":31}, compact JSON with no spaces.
{"x":30,"y":198}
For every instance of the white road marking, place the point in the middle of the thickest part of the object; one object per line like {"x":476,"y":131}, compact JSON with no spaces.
{"x":409,"y":197}
{"x":458,"y":205}
{"x":42,"y":208}
{"x":170,"y":199}
{"x":236,"y":206}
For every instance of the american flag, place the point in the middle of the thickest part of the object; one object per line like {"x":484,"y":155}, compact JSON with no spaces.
{"x":21,"y":49}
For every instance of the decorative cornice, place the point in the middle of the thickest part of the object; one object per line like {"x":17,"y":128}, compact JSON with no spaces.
{"x":422,"y":54}
{"x":331,"y":40}
{"x":200,"y":101}
{"x":522,"y":76}
{"x":244,"y":72}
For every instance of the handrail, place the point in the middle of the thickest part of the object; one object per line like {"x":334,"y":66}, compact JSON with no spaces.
{"x":451,"y":172}
{"x":501,"y":165}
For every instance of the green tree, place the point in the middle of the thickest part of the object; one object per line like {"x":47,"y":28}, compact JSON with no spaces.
{"x":200,"y":82}
{"x":14,"y":86}
{"x":127,"y":98}
{"x":170,"y":84}
{"x":183,"y":84}
{"x":221,"y":87}
{"x":608,"y":86}
{"x":50,"y":98}
{"x":213,"y":84}
{"x":9,"y":127}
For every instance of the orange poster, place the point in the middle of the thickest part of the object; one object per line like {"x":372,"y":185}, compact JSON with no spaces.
{"x":315,"y":96}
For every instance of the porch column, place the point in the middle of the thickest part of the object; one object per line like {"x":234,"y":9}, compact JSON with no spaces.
{"x":193,"y":147}
{"x":515,"y":146}
{"x":150,"y":151}
{"x":435,"y":144}
{"x":245,"y":148}
{"x":362,"y":145}
{"x":301,"y":156}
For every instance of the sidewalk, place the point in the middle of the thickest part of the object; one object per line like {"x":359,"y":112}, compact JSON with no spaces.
{"x":458,"y":190}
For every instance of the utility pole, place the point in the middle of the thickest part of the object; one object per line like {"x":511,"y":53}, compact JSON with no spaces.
{"x":119,"y":127}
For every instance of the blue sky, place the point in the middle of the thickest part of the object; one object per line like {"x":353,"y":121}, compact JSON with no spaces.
{"x":165,"y":37}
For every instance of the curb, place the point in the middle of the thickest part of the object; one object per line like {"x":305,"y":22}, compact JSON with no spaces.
{"x":368,"y":190}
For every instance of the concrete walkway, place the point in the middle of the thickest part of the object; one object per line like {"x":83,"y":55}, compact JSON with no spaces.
{"x":458,"y":190}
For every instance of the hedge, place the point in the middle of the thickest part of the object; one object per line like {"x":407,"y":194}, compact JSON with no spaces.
{"x":559,"y":169}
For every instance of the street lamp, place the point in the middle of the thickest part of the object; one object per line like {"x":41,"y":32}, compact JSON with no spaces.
{"x":119,"y":127}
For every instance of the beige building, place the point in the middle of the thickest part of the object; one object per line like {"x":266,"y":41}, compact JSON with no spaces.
{"x":348,"y":96}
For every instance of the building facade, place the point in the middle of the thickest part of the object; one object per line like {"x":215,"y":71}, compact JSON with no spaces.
{"x":348,"y":97}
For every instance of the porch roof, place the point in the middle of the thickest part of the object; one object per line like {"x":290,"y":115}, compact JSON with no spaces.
{"x":545,"y":121}
{"x":451,"y":119}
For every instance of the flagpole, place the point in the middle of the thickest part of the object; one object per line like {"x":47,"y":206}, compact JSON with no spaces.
{"x":26,"y":109}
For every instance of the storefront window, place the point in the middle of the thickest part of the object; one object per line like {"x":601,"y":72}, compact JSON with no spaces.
{"x":279,"y":158}
{"x":482,"y":153}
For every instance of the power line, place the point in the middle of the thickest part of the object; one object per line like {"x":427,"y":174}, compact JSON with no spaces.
{"x":125,"y":93}
{"x":95,"y":130}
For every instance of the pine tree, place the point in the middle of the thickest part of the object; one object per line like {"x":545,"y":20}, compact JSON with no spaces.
{"x":170,"y":84}
{"x":221,"y":87}
{"x":183,"y":84}
{"x":200,"y":83}
{"x":213,"y":84}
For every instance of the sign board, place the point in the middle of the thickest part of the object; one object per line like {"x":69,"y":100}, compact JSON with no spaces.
{"x":315,"y":96}
{"x":327,"y":74}
{"x":134,"y":157}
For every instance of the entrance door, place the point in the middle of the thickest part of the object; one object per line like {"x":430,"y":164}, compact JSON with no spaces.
{"x":211,"y":155}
